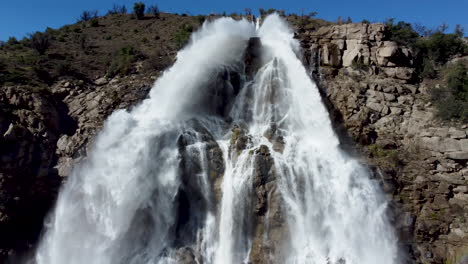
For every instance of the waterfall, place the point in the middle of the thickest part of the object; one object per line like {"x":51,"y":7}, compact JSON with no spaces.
{"x":178,"y":179}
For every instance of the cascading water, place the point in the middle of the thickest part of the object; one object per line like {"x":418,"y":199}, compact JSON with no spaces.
{"x":169,"y":182}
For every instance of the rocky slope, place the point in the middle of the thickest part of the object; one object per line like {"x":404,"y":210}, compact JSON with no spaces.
{"x":368,"y":83}
{"x":371,"y":90}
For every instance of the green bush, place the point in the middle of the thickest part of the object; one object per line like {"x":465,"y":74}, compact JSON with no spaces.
{"x":12,"y":41}
{"x":201,"y":19}
{"x":386,"y":157}
{"x":451,"y":100}
{"x":139,"y":10}
{"x":40,"y":42}
{"x":122,"y":62}
{"x":428,"y":69}
{"x":183,"y":35}
{"x":13,"y":76}
{"x":62,"y":69}
{"x":401,"y":32}
{"x":439,"y":47}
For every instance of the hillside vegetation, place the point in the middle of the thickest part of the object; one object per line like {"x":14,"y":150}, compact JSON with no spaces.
{"x":147,"y":41}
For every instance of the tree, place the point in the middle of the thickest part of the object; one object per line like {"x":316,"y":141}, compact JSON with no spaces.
{"x":262,"y":12}
{"x":442,"y":28}
{"x":154,"y":10}
{"x":40,"y":42}
{"x":88,"y":15}
{"x":12,"y":41}
{"x":459,"y":31}
{"x":349,"y":21}
{"x":422,"y":30}
{"x":139,"y":10}
{"x":248,"y":11}
{"x":117,"y":9}
{"x":401,"y":32}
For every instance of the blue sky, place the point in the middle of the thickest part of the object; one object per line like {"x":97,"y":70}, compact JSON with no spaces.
{"x":20,"y":17}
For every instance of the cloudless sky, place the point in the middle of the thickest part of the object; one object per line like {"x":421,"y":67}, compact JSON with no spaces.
{"x":20,"y":17}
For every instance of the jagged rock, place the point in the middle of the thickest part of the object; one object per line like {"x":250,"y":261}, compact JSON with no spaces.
{"x":252,"y":57}
{"x":269,"y":224}
{"x":196,"y":161}
{"x":186,"y":255}
{"x":383,"y":104}
{"x":101,"y":81}
{"x":458,"y":155}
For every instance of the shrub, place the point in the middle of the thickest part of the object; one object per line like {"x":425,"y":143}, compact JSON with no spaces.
{"x":457,"y":81}
{"x":451,"y":100}
{"x":88,"y":15}
{"x":428,"y":69}
{"x":154,"y":10}
{"x":122,"y":62}
{"x":439,"y":47}
{"x":40,"y":42}
{"x":459,"y":31}
{"x":183,"y":35}
{"x":94,"y":22}
{"x":201,"y":19}
{"x":402,"y":32}
{"x":262,"y":12}
{"x":139,"y":10}
{"x":62,"y":69}
{"x":117,"y":9}
{"x":43,"y":74}
{"x":386,"y":157}
{"x":270,"y":11}
{"x":12,"y":41}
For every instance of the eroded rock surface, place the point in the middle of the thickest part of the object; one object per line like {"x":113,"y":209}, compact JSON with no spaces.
{"x":369,"y":86}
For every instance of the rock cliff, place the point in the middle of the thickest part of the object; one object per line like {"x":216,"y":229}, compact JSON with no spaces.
{"x":370,"y":87}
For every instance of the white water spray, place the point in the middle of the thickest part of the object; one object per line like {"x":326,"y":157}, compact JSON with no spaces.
{"x":123,"y":205}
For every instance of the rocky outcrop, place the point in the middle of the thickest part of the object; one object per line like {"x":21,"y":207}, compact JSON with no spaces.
{"x":369,"y":86}
{"x":31,"y":122}
{"x":269,"y":217}
{"x":43,"y":132}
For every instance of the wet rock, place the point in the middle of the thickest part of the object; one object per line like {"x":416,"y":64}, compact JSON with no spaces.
{"x":269,"y":223}
{"x":252,"y":57}
{"x":186,"y":255}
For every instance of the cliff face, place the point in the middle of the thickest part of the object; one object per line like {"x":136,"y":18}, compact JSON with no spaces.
{"x":368,"y":83}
